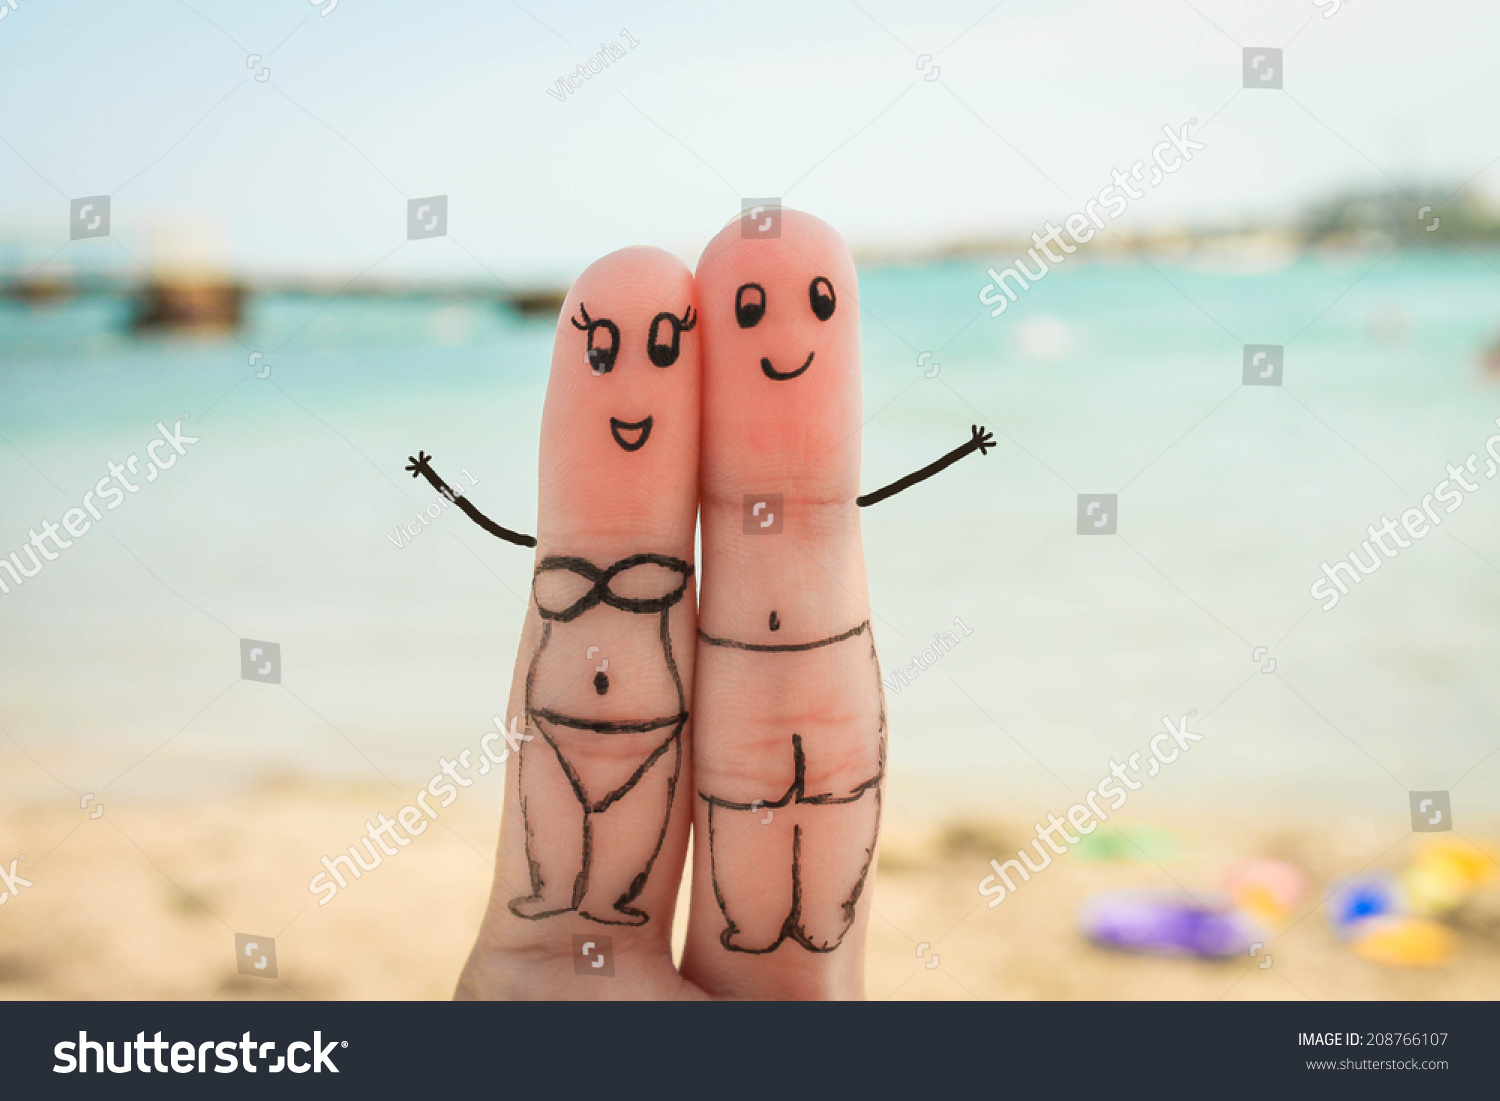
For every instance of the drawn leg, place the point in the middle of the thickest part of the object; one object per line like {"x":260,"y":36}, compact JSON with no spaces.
{"x":836,"y":850}
{"x":554,"y":823}
{"x":751,"y":864}
{"x":623,"y":841}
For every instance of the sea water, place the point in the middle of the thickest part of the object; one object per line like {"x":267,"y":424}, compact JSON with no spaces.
{"x":290,"y":521}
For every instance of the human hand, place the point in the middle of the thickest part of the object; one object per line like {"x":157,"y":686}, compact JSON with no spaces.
{"x":762,"y":733}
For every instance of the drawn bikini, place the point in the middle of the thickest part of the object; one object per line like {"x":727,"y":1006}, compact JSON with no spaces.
{"x":614,"y":732}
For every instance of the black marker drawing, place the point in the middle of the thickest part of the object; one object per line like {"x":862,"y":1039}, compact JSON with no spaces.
{"x":603,"y":760}
{"x":818,"y":926}
{"x":421,"y":465}
{"x":781,"y":376}
{"x":601,"y":358}
{"x":664,"y":355}
{"x":820,"y":296}
{"x":825,"y":884}
{"x":980,"y":441}
{"x":749,"y":305}
{"x":621,"y":430}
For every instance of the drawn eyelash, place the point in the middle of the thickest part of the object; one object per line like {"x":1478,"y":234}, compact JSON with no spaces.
{"x":601,"y":359}
{"x":664,"y":355}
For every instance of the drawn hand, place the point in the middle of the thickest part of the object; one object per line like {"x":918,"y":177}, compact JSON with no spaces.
{"x":981,"y":438}
{"x":420,"y":465}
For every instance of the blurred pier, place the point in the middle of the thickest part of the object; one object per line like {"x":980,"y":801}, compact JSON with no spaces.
{"x":205,"y":298}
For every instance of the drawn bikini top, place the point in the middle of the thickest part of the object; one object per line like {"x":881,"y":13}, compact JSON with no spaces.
{"x":601,"y":590}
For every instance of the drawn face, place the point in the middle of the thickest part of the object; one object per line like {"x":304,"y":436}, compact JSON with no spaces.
{"x":781,"y":348}
{"x":750,"y":311}
{"x":663,"y":348}
{"x":622,"y":418}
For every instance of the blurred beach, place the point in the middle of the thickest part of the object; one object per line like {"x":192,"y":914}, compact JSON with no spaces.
{"x":149,"y":911}
{"x":120,"y":672}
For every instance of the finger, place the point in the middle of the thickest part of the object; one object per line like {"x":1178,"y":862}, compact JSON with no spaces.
{"x":594,"y":829}
{"x":790,"y":742}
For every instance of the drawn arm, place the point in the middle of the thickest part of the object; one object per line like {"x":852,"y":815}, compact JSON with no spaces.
{"x":421,"y":465}
{"x":980,"y":441}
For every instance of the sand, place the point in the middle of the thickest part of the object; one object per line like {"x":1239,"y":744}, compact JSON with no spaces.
{"x":144,"y":902}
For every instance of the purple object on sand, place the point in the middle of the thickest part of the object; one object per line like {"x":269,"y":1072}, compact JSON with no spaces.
{"x":1166,"y":923}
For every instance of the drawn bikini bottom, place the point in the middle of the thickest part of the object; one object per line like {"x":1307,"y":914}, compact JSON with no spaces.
{"x":796,"y":758}
{"x":604,"y":765}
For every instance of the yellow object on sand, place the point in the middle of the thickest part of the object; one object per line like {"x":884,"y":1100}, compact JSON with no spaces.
{"x":1443,"y":875}
{"x":1405,"y":942}
{"x":1267,"y":889}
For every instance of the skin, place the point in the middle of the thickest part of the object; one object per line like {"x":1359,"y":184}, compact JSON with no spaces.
{"x":798,"y":437}
{"x":602,"y":503}
{"x":792,"y":428}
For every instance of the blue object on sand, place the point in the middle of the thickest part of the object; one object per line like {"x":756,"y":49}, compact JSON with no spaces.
{"x":1167,"y":923}
{"x":1361,"y":898}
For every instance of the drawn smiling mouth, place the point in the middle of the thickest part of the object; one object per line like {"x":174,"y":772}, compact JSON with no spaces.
{"x":782,"y":376}
{"x":622,"y":430}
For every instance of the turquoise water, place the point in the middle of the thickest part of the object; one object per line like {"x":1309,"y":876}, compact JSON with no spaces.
{"x":1104,"y":378}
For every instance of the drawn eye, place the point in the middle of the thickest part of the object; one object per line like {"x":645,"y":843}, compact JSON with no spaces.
{"x":750,"y":305}
{"x":664,"y":355}
{"x":602,"y":349}
{"x":820,"y":294}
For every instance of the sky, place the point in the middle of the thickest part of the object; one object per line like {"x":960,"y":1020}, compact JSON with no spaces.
{"x":903,"y":125}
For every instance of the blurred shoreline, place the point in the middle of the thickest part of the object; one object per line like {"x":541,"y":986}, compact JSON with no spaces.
{"x":180,"y":288}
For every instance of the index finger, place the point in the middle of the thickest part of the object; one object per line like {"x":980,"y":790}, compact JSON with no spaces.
{"x":594,"y":832}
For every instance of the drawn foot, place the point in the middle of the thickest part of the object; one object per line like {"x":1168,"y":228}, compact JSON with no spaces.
{"x":737,"y":940}
{"x":822,"y":941}
{"x":618,"y":915}
{"x":534,"y":907}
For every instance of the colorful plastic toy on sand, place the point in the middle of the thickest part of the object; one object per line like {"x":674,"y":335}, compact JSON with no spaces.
{"x":1168,"y":924}
{"x":1405,"y":941}
{"x":1444,"y":875}
{"x":1268,"y":890}
{"x":1128,"y":842}
{"x":1358,"y":900}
